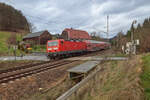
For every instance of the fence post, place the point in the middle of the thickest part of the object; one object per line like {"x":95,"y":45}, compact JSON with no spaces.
{"x":76,"y":95}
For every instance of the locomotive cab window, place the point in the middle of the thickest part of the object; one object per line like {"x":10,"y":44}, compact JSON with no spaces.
{"x":54,"y":43}
{"x":61,"y":42}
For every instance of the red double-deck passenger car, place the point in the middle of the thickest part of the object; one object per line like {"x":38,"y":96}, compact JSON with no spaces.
{"x":93,"y":45}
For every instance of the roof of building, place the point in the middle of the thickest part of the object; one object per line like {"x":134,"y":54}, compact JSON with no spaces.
{"x":84,"y":68}
{"x":76,"y":34}
{"x":35,"y":34}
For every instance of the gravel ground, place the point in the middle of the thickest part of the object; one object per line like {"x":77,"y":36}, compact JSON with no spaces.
{"x":26,"y":88}
{"x":36,"y":58}
{"x":12,"y":64}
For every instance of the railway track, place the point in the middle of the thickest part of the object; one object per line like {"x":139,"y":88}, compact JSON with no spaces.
{"x":12,"y":74}
{"x":28,"y":70}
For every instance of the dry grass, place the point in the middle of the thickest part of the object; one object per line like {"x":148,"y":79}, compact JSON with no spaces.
{"x":118,"y":81}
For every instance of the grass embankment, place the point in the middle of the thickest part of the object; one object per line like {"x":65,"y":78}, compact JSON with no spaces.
{"x":145,"y":76}
{"x":4,"y":50}
{"x":122,"y":80}
{"x":119,"y":80}
{"x":4,"y":47}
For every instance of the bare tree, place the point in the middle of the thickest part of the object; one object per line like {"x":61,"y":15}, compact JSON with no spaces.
{"x":32,"y":27}
{"x":12,"y":39}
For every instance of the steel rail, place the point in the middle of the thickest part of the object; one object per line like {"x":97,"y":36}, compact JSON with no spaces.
{"x":23,"y":73}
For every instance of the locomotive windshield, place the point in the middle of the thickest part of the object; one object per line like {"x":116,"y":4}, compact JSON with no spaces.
{"x":54,"y":43}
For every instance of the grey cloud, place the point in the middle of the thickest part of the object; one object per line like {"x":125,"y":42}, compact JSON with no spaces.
{"x":126,"y":6}
{"x":55,"y":15}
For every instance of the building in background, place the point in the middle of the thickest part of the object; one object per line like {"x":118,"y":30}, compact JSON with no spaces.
{"x":73,"y":34}
{"x":40,"y":38}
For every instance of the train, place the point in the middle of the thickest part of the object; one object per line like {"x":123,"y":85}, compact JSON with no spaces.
{"x":65,"y":48}
{"x":73,"y":42}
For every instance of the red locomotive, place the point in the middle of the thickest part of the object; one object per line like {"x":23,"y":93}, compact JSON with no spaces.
{"x":62,"y":48}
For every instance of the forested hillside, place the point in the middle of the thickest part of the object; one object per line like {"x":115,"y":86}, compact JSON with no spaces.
{"x":12,"y":19}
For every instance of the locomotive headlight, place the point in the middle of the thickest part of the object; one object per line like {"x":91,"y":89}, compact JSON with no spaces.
{"x":55,"y":48}
{"x":49,"y":48}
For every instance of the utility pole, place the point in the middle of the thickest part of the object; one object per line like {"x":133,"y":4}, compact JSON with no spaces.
{"x":107,"y":26}
{"x":107,"y":31}
{"x":133,"y":47}
{"x":132,"y":31}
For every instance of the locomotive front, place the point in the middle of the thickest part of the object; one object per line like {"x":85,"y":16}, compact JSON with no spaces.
{"x":52,"y":48}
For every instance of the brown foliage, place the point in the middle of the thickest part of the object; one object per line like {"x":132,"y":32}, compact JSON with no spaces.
{"x":12,"y":19}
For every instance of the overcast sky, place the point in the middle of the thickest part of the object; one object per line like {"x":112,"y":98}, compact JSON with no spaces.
{"x":89,"y":15}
